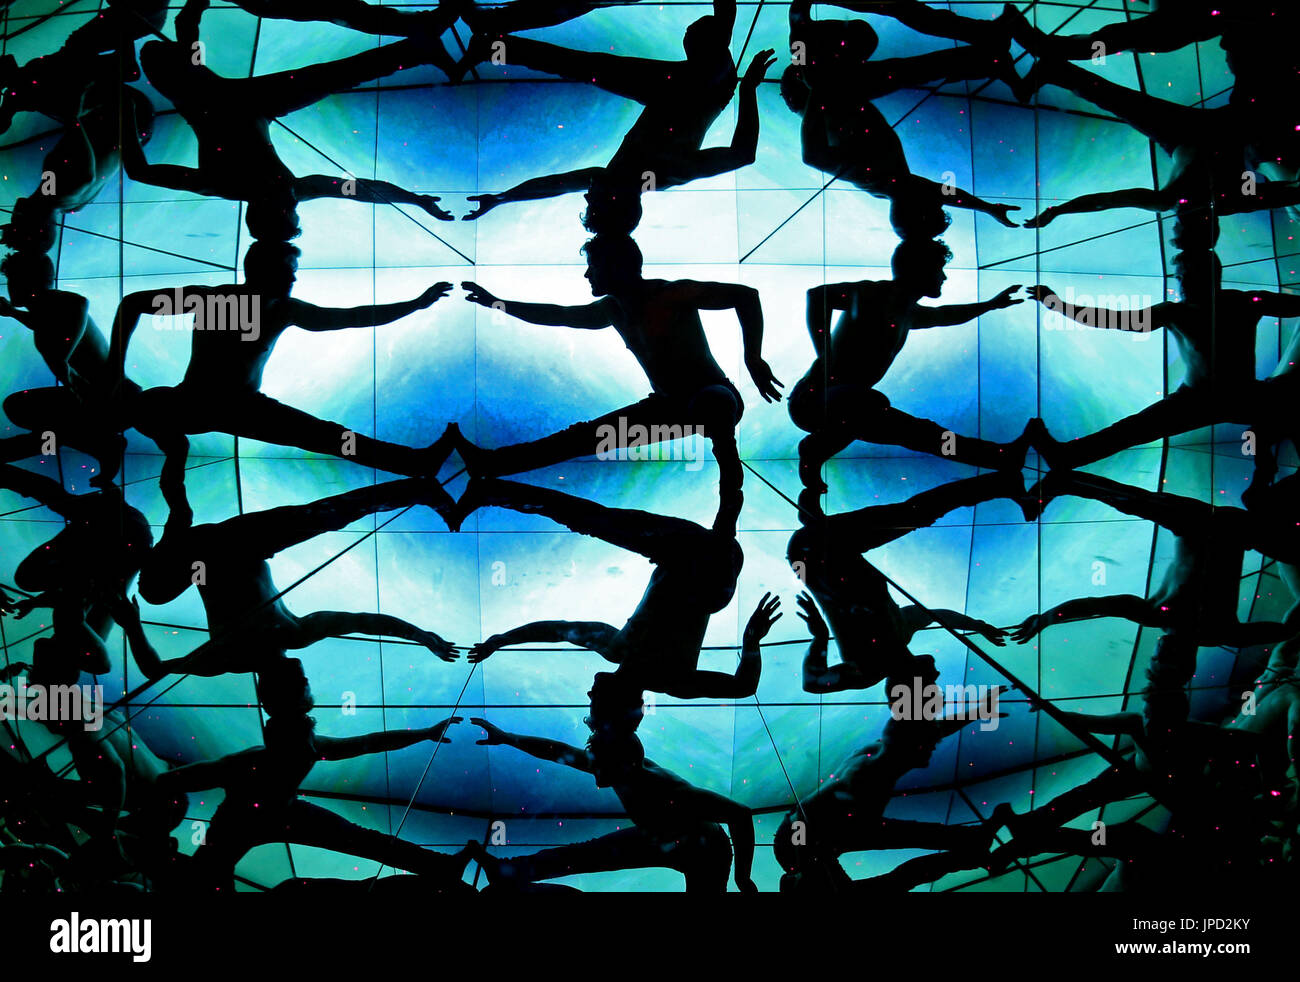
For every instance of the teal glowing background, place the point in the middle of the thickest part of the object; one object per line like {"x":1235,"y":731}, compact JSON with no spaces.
{"x":769,"y":225}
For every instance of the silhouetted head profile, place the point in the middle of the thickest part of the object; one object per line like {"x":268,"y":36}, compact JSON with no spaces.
{"x":706,"y":39}
{"x":613,"y":205}
{"x":32,"y":227}
{"x":617,"y":704}
{"x":271,"y":267}
{"x":282,"y":688}
{"x":910,"y":742}
{"x":8,"y":72}
{"x":1199,"y":272}
{"x":918,"y":265}
{"x":274,"y":217}
{"x":288,"y":730}
{"x":1165,"y":699}
{"x":1195,"y":228}
{"x":911,"y":671}
{"x":169,"y":66}
{"x":614,"y":756}
{"x":28,"y":275}
{"x":794,"y":90}
{"x":613,"y":262}
{"x":918,"y":216}
{"x":54,"y":662}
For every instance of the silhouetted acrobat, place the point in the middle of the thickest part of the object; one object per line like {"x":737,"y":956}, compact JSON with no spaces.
{"x":1210,"y":148}
{"x":1198,"y":595}
{"x":1275,"y":717}
{"x":261,"y":787}
{"x":694,"y":578}
{"x":78,"y":574}
{"x":231,"y":117}
{"x":248,"y":623}
{"x":116,"y":772}
{"x":845,"y":135}
{"x":836,"y":403}
{"x":85,"y":409}
{"x":80,"y":164}
{"x":1215,"y":332}
{"x":659,"y":321}
{"x":681,"y":98}
{"x":234,"y":332}
{"x":846,"y":813}
{"x":1170,"y":760}
{"x":871,"y":629}
{"x":675,"y":824}
{"x":81,"y":571}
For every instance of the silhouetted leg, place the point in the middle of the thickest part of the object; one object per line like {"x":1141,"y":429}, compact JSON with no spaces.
{"x":914,"y":872}
{"x":714,"y":410}
{"x":1167,"y":29}
{"x":1124,"y":840}
{"x":1180,"y":514}
{"x":1184,"y":409}
{"x":577,"y":440}
{"x":281,"y":93}
{"x":633,"y":78}
{"x":896,"y":833}
{"x":263,"y":534}
{"x":657,"y":537}
{"x":529,"y":15}
{"x":311,"y":825}
{"x":897,"y":428}
{"x":705,"y":861}
{"x":368,"y":18}
{"x":259,"y":417}
{"x":1167,"y":123}
{"x":1113,"y":784}
{"x":14,"y":448}
{"x":871,"y":527}
{"x":888,"y":75}
{"x":56,"y":410}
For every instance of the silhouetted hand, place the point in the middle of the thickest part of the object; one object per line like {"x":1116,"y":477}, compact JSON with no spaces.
{"x":20,"y":609}
{"x":1041,"y":293}
{"x":437,"y":730}
{"x":6,"y":308}
{"x":429,"y":202}
{"x":485,"y":649}
{"x":763,"y":378}
{"x":495,"y":735}
{"x":762,"y":61}
{"x":1005,"y":298}
{"x":486,"y":202}
{"x":813,"y":617}
{"x":435,"y":293}
{"x":1027,"y":629}
{"x":761,"y":620}
{"x":989,"y":632}
{"x":476,"y":294}
{"x":1042,"y":218}
{"x":439,"y":646}
{"x":122,"y":610}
